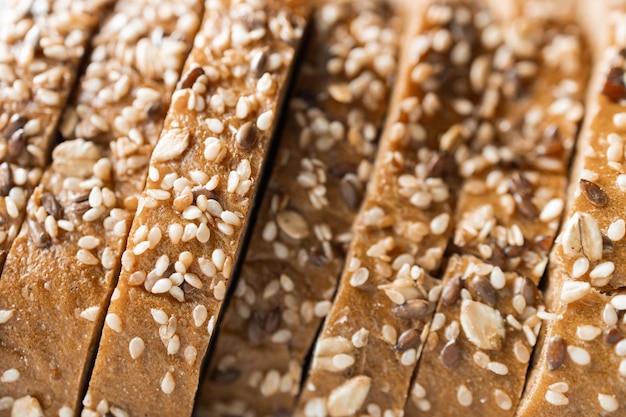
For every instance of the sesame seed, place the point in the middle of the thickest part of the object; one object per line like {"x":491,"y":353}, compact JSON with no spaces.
{"x":90,"y":313}
{"x":359,"y":277}
{"x":580,"y":267}
{"x":168,"y":384}
{"x":10,"y":375}
{"x":264,"y":121}
{"x":87,"y":257}
{"x":619,"y":302}
{"x":498,"y":368}
{"x":464,"y":396}
{"x":608,"y":402}
{"x":6,"y":315}
{"x":556,"y":398}
{"x":114,"y":322}
{"x":578,"y":355}
{"x":136,"y":347}
{"x":588,"y":333}
{"x":573,"y":291}
{"x":503,"y":401}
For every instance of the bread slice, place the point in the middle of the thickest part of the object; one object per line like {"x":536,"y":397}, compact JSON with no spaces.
{"x":41,"y":47}
{"x":489,"y":316}
{"x":192,"y":216}
{"x":382,"y":312}
{"x":63,"y":266}
{"x":583,"y":339}
{"x":297,"y":249}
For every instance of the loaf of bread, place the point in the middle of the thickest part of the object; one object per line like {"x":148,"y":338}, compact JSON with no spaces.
{"x":152,"y":244}
{"x":63,"y":266}
{"x":298,"y":244}
{"x":191,"y":218}
{"x":41,"y":47}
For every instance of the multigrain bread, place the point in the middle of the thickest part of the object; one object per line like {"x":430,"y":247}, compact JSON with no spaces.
{"x":487,"y":320}
{"x":381,"y":314}
{"x":316,"y":186}
{"x":587,"y":307}
{"x":192,"y":216}
{"x":63,"y":266}
{"x":584,"y":337}
{"x":41,"y":47}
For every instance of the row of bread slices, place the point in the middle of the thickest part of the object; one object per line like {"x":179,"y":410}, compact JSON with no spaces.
{"x":419,"y":256}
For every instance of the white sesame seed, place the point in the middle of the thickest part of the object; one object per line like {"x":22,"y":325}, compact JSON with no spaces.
{"x":622,"y":368}
{"x":90,"y":313}
{"x":200,"y":315}
{"x":408,"y":357}
{"x":578,"y":355}
{"x":551,"y":210}
{"x":464,"y":396}
{"x":359,"y":277}
{"x":439,"y":224}
{"x":608,"y":402}
{"x":580,"y":267}
{"x":281,"y":336}
{"x":114,"y":322}
{"x":215,"y":126}
{"x":617,"y":230}
{"x":136,"y":347}
{"x":219,"y":292}
{"x":87,"y":257}
{"x":159,"y":316}
{"x":141,"y":248}
{"x":609,"y":315}
{"x":6,"y":315}
{"x":10,"y":375}
{"x":342,"y":361}
{"x":521,"y":352}
{"x":497,"y":279}
{"x":264,"y":121}
{"x":88,"y":242}
{"x":619,"y":120}
{"x":502,"y":399}
{"x":162,"y":286}
{"x":620,"y":348}
{"x":587,"y":332}
{"x":573,"y":291}
{"x":561,"y":387}
{"x":389,"y":334}
{"x":167,"y":383}
{"x":603,"y":270}
{"x":556,"y":398}
{"x":619,"y":302}
{"x":498,"y":368}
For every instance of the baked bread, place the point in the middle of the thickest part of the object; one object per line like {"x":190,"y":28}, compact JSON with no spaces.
{"x":192,"y":217}
{"x":583,"y":338}
{"x":304,"y":223}
{"x":475,"y":153}
{"x":63,"y":266}
{"x":381,"y":314}
{"x":41,"y":47}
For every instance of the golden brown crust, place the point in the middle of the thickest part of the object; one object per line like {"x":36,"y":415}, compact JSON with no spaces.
{"x":298,"y":245}
{"x":62,"y":267}
{"x":192,"y":216}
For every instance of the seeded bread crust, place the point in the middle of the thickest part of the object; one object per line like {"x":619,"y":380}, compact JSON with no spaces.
{"x":584,"y":336}
{"x":63,"y":266}
{"x":41,"y":47}
{"x":304,"y":225}
{"x":192,"y":216}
